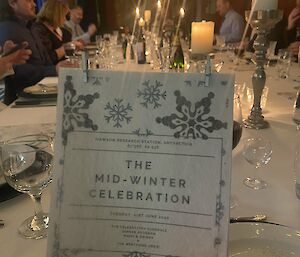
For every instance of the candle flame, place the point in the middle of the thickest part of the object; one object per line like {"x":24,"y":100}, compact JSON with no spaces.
{"x":158,"y":4}
{"x":141,"y":22}
{"x":182,"y":12}
{"x":137,"y":12}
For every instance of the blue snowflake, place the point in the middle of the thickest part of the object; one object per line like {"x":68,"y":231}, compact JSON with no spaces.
{"x":192,"y":121}
{"x":152,"y":94}
{"x":118,"y":113}
{"x":74,"y":109}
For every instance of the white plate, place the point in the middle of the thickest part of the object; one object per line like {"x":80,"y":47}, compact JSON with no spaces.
{"x":263,"y":240}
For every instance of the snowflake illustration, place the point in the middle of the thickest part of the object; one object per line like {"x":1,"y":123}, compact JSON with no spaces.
{"x":118,"y":113}
{"x":152,"y":94}
{"x":192,"y":121}
{"x":74,"y":105}
{"x":136,"y":254}
{"x":219,"y":210}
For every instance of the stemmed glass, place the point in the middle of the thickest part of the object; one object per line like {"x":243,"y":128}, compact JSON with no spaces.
{"x":257,"y":151}
{"x":26,"y":162}
{"x":70,"y":49}
{"x":237,"y":121}
{"x":236,"y":135}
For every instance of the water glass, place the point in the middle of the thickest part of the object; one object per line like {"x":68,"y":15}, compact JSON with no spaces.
{"x":26,"y":162}
{"x":284,"y":63}
{"x":220,"y":42}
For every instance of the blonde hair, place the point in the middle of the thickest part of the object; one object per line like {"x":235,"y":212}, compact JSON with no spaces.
{"x":53,"y":12}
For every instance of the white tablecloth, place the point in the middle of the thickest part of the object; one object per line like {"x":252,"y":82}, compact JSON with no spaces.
{"x":278,"y":201}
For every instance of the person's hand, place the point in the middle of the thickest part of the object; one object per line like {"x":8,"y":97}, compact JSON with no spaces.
{"x":294,"y":47}
{"x":92,"y":29}
{"x":294,"y":16}
{"x":66,"y":64}
{"x":79,"y":44}
{"x":18,"y":57}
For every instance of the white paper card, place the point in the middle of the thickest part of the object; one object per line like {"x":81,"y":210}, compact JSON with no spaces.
{"x":143,"y":165}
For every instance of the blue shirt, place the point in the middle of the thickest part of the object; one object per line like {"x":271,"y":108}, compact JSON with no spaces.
{"x":232,"y":27}
{"x":37,"y":67}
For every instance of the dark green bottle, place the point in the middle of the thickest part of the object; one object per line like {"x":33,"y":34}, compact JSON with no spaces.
{"x":178,"y":58}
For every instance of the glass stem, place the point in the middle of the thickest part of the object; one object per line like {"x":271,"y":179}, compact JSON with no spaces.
{"x":39,"y":221}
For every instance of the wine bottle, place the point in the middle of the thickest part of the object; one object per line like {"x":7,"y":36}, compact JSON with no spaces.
{"x":141,"y":49}
{"x":178,"y":58}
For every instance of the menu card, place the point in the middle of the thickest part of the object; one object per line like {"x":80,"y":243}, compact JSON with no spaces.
{"x":142,"y":165}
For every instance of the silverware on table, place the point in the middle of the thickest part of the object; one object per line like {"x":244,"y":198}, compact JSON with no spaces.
{"x":255,"y":218}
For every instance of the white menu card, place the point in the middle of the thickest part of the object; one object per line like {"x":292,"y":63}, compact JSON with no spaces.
{"x":142,"y":166}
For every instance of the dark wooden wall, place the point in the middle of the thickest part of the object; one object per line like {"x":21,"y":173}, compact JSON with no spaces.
{"x":111,"y":14}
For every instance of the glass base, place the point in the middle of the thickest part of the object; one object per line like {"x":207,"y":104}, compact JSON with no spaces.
{"x":34,"y":228}
{"x":233,"y":201}
{"x":255,"y":183}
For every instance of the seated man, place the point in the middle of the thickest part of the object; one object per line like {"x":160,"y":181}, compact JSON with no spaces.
{"x":15,"y":24}
{"x":76,"y":15}
{"x":293,"y":29}
{"x":233,"y":24}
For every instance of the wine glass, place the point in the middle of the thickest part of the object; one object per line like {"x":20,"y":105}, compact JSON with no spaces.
{"x":237,"y":120}
{"x":257,"y":151}
{"x":26,"y":162}
{"x":236,"y":135}
{"x":69,"y":50}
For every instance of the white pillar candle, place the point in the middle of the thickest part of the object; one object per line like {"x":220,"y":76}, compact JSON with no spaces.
{"x":202,"y":37}
{"x":264,"y":5}
{"x":147,"y":15}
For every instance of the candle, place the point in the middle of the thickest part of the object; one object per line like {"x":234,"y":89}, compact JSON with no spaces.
{"x":182,"y":12}
{"x":147,"y":15}
{"x":141,"y":22}
{"x":264,"y":5}
{"x":202,"y":37}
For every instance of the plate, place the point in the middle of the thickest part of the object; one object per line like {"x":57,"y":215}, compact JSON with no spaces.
{"x":41,"y":90}
{"x":262,"y":240}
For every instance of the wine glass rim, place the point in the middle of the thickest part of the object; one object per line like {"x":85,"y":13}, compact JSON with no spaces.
{"x":29,"y":140}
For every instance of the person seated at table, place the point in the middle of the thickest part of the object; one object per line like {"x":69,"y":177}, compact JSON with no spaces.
{"x":293,"y":29}
{"x":76,"y":15}
{"x":51,"y":17}
{"x":233,"y":25}
{"x":16,"y":19}
{"x":18,"y":57}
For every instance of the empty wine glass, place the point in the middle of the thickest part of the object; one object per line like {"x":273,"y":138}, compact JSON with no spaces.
{"x":237,"y":121}
{"x":26,"y":162}
{"x":257,"y":151}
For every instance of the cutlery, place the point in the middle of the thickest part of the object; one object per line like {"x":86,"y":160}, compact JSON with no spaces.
{"x":255,"y":218}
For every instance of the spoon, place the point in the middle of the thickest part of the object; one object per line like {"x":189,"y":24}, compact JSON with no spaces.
{"x":256,"y":218}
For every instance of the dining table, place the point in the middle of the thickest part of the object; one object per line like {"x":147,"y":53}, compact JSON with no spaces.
{"x":278,"y":201}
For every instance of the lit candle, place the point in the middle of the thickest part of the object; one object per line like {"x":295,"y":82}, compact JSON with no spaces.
{"x":182,"y":12}
{"x":158,"y":5}
{"x":202,"y":37}
{"x":141,"y":22}
{"x":147,"y":15}
{"x":265,"y":5}
{"x":137,"y":12}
